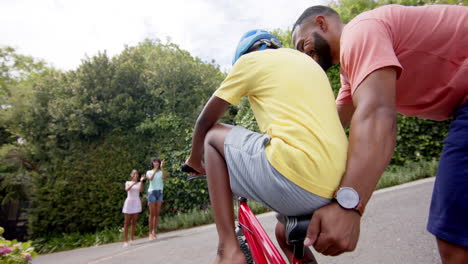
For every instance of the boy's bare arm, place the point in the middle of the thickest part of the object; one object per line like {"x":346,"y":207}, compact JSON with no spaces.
{"x":211,"y":113}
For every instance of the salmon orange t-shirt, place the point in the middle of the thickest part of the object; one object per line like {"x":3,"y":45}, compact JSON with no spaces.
{"x":428,"y":47}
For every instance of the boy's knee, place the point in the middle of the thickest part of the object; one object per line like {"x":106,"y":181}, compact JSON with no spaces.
{"x":216,"y":135}
{"x":210,"y":136}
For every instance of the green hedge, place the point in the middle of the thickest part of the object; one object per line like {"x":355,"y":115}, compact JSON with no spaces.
{"x":83,"y":131}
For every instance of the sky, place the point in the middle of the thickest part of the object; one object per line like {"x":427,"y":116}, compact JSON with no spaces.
{"x":63,"y":32}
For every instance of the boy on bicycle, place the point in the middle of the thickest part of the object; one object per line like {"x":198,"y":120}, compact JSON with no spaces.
{"x":295,"y":164}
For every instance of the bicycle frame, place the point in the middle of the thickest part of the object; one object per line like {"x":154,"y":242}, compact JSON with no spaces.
{"x":260,"y":244}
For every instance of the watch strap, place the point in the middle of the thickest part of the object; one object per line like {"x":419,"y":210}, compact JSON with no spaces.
{"x":359,"y":208}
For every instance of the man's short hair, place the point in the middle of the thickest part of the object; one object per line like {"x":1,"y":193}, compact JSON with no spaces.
{"x":314,"y":11}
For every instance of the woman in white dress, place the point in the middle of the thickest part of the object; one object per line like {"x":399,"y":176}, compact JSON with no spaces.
{"x":132,"y":205}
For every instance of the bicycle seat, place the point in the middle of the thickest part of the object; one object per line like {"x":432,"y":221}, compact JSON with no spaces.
{"x":295,"y":227}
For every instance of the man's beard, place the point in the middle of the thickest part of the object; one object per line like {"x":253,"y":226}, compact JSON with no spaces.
{"x":323,"y":51}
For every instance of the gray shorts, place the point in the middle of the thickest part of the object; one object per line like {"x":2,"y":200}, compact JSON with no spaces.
{"x":252,"y":176}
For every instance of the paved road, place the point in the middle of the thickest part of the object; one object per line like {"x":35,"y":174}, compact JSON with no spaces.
{"x":393,"y":231}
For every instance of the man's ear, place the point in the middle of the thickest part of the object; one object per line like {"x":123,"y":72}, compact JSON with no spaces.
{"x":322,"y":23}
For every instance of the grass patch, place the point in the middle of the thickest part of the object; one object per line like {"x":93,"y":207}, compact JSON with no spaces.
{"x":185,"y":220}
{"x":410,"y":172}
{"x":59,"y":242}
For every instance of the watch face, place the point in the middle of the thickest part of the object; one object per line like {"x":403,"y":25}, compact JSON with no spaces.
{"x":347,"y":197}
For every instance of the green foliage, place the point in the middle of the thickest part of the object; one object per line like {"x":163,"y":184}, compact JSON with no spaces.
{"x":245,"y":117}
{"x":284,"y":36}
{"x":14,"y":68}
{"x":419,"y":139}
{"x":83,"y":131}
{"x":16,"y":169}
{"x":412,"y":171}
{"x":14,"y":252}
{"x":15,"y":179}
{"x":348,"y":9}
{"x":194,"y":217}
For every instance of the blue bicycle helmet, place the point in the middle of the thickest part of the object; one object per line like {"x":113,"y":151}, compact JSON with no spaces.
{"x":256,"y":37}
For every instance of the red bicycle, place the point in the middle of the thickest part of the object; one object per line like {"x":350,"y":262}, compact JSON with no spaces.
{"x":255,"y":243}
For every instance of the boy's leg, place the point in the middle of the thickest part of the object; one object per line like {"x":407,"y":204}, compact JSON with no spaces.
{"x":221,"y":195}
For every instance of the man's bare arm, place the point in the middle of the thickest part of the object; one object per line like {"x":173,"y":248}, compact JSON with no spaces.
{"x":334,"y":230}
{"x":373,"y":130}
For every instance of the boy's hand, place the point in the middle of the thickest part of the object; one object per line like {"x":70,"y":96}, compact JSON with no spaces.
{"x":198,"y":166}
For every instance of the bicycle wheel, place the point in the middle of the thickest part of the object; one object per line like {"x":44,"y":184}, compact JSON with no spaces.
{"x":245,"y":249}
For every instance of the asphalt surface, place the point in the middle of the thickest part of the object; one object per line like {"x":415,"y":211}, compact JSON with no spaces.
{"x":393,"y":230}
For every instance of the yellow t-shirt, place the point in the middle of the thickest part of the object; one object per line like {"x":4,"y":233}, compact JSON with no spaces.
{"x":293,"y":103}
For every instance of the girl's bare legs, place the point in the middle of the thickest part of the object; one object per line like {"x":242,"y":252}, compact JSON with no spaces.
{"x":151,"y":219}
{"x":134,"y":221}
{"x":156,"y":218}
{"x":126,"y":223}
{"x":221,"y":195}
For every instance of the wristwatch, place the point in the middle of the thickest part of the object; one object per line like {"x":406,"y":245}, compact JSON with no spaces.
{"x":348,"y":198}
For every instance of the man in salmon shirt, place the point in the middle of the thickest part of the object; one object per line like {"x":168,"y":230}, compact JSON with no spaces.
{"x":410,"y":60}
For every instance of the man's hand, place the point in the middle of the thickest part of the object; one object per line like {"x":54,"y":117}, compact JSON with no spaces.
{"x":333,"y":230}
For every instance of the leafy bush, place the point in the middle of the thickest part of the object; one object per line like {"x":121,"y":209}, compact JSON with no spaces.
{"x":15,"y":252}
{"x":84,"y":130}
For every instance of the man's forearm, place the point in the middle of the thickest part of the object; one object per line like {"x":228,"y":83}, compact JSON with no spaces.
{"x":371,"y":146}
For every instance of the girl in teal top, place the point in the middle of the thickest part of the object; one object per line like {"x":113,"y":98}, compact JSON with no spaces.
{"x":155,"y":194}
